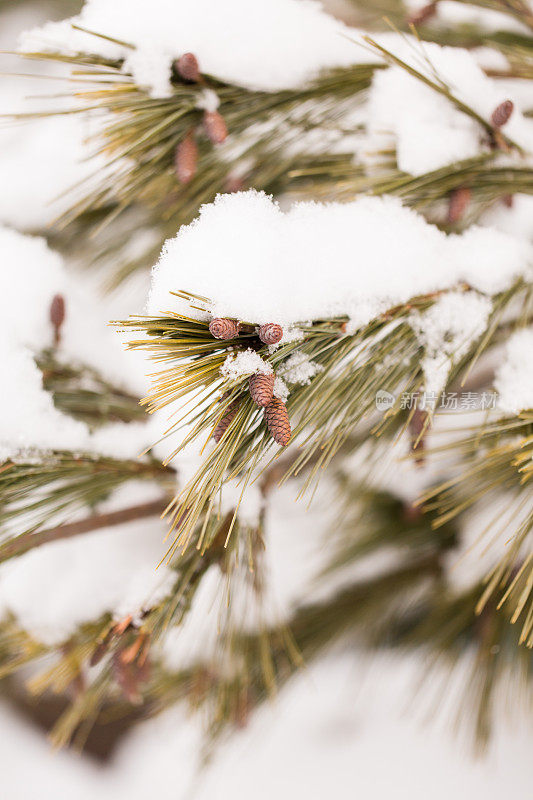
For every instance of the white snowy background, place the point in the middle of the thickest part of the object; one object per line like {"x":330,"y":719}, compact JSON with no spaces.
{"x":348,"y":726}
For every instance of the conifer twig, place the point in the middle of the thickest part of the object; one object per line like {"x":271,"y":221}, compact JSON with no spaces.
{"x":27,"y":541}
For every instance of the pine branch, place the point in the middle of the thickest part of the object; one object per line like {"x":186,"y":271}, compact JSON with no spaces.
{"x":19,"y":545}
{"x":78,"y":390}
{"x":54,"y":485}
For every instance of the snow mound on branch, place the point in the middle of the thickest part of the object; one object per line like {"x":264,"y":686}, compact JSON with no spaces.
{"x":264,"y":44}
{"x":514,"y":378}
{"x":52,"y":590}
{"x":426,"y":128}
{"x":260,"y":265}
{"x":30,"y":277}
{"x":28,"y":416}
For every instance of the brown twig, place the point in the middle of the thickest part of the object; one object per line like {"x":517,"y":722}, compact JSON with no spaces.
{"x":26,"y":541}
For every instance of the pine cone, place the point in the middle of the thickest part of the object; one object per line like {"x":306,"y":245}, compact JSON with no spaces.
{"x":223,"y":328}
{"x":502,"y":113}
{"x":186,"y":159}
{"x":459,"y":202}
{"x":261,"y":388}
{"x":226,"y":420}
{"x":188,"y":68}
{"x":215,"y":127}
{"x":277,"y":421}
{"x":270,"y":333}
{"x":57,"y":315}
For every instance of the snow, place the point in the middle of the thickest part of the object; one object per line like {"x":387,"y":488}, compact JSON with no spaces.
{"x":321,"y":734}
{"x":299,"y":368}
{"x":427,"y":130}
{"x":245,"y":363}
{"x":458,"y":13}
{"x":28,"y":416}
{"x":280,"y":389}
{"x":516,"y":220}
{"x":447,"y":331}
{"x":259,"y":264}
{"x":514,"y":377}
{"x":31,"y":276}
{"x":266,"y":44}
{"x":43,"y":158}
{"x":41,"y":163}
{"x":52,"y":590}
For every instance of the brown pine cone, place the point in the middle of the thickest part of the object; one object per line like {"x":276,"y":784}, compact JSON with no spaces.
{"x":215,"y":126}
{"x":270,"y":333}
{"x":223,"y":328}
{"x":459,"y":202}
{"x":277,"y":421}
{"x":187,"y":67}
{"x":57,"y":315}
{"x":225,"y":420}
{"x":261,"y":388}
{"x":502,"y":113}
{"x":186,"y":159}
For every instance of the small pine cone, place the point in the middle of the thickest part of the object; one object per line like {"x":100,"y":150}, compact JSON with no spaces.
{"x":188,"y":68}
{"x":277,"y":421}
{"x":226,"y":420}
{"x":423,"y":14}
{"x":215,"y":127}
{"x":419,"y":424}
{"x":270,"y":333}
{"x":186,"y":159}
{"x":57,"y":315}
{"x":459,"y":202}
{"x":262,"y":388}
{"x":502,"y":113}
{"x":223,"y":328}
{"x":233,"y":184}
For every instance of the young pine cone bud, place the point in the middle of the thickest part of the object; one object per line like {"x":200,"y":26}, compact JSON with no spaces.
{"x":419,"y":425}
{"x":186,"y":159}
{"x":262,"y":388}
{"x":277,"y":421}
{"x":188,"y":68}
{"x":223,"y":328}
{"x":270,"y":333}
{"x":233,"y":184}
{"x":423,"y":14}
{"x":502,"y":113}
{"x":459,"y":202}
{"x":226,"y":420}
{"x":57,"y":316}
{"x":215,"y":127}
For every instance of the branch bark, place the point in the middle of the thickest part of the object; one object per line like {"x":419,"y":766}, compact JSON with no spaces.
{"x":27,"y":541}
